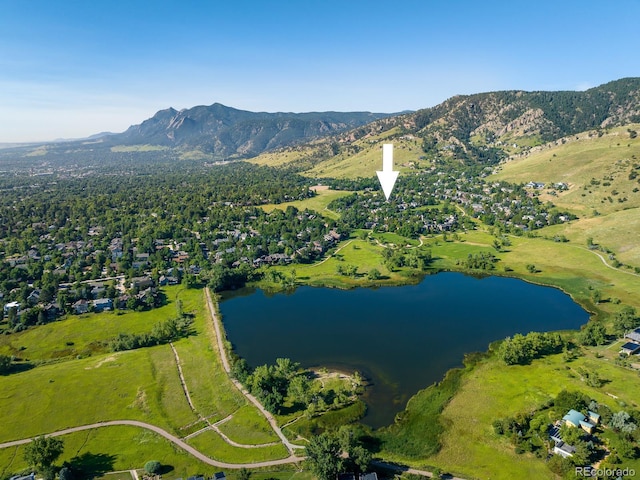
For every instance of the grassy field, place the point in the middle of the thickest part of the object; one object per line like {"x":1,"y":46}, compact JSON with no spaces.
{"x":248,"y":427}
{"x":318,"y":203}
{"x":76,"y":335}
{"x":140,"y":384}
{"x":603,"y":174}
{"x":492,"y":391}
{"x":407,"y":152}
{"x":608,"y":160}
{"x":617,"y":231}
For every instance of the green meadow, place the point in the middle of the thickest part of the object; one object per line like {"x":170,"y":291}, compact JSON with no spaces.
{"x":317,"y":203}
{"x":63,"y":391}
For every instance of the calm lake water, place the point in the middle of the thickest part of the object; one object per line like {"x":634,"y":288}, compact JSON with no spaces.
{"x":401,"y":338}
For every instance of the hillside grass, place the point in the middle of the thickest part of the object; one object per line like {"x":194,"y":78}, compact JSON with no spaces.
{"x":606,"y":159}
{"x":347,"y":164}
{"x":76,"y":335}
{"x":368,"y":160}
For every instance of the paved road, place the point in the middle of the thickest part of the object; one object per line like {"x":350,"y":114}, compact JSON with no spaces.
{"x":172,"y":438}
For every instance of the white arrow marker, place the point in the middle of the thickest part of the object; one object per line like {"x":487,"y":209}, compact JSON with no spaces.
{"x":387,"y":176}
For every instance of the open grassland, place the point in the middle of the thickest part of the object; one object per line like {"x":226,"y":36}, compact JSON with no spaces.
{"x":248,"y":427}
{"x":365,"y":254}
{"x":218,"y":449}
{"x":135,"y":385}
{"x":493,"y":391}
{"x":597,"y":170}
{"x":76,"y":335}
{"x":138,"y":148}
{"x":139,"y":384}
{"x":362,"y":159}
{"x":129,"y":448}
{"x":617,"y":231}
{"x":364,"y":163}
{"x":317,"y":203}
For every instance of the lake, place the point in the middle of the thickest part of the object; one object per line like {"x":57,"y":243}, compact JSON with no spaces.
{"x":401,"y":338}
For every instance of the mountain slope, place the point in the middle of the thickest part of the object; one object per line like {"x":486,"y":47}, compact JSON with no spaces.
{"x":481,"y":128}
{"x":231,"y":133}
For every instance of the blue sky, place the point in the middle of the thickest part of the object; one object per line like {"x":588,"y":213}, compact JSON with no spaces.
{"x":74,"y":68}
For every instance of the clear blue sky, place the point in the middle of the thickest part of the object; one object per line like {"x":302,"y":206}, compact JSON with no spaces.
{"x":74,"y":68}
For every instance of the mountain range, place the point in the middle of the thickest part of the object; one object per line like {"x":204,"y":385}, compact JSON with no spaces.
{"x":466,"y":124}
{"x":227,"y":133}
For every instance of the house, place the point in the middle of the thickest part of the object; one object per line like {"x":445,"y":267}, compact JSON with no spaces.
{"x":630,"y":348}
{"x":577,"y":419}
{"x":634,"y":335}
{"x":34,"y":297}
{"x":11,"y":305}
{"x":167,"y":280}
{"x":219,"y":476}
{"x":563,"y":449}
{"x":141,"y":282}
{"x":102,"y":304}
{"x":80,"y":307}
{"x":594,"y":418}
{"x":52,"y":310}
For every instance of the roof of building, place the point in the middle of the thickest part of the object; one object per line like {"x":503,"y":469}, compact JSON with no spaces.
{"x":219,"y":475}
{"x":587,"y":425}
{"x":574,"y":417}
{"x":565,"y":447}
{"x":630,"y":346}
{"x":593,"y":415}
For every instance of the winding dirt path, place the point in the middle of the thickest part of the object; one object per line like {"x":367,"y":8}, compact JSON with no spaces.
{"x":163,"y":433}
{"x":225,"y":364}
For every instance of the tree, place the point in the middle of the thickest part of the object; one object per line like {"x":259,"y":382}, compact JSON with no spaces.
{"x":244,"y":474}
{"x":323,"y":456}
{"x":625,"y":320}
{"x":5,"y":364}
{"x":42,"y":452}
{"x":152,"y":467}
{"x":593,"y":333}
{"x":373,"y":274}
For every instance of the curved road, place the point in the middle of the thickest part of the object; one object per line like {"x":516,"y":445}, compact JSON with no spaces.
{"x":163,"y":433}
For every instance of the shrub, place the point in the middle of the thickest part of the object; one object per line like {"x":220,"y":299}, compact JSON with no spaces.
{"x":152,"y":467}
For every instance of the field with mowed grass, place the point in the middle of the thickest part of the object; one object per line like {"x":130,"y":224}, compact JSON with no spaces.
{"x":55,"y":391}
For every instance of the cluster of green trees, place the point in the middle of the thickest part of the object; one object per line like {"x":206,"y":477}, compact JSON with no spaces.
{"x":521,"y":349}
{"x":161,"y":333}
{"x":5,"y":364}
{"x":417,"y":258}
{"x":479,"y":261}
{"x":272,"y":384}
{"x":341,"y":451}
{"x":624,"y":320}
